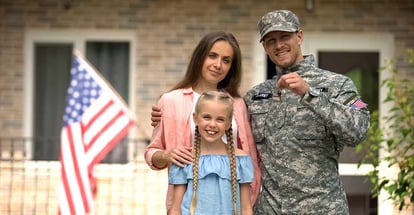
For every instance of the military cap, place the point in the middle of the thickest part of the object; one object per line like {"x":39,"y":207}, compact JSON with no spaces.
{"x":278,"y":20}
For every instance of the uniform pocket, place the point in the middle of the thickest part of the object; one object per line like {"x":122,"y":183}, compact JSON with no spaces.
{"x":258,"y":112}
{"x":309,"y":125}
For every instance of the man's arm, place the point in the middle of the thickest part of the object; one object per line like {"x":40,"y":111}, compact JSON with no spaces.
{"x":347,"y":123}
{"x":155,"y":115}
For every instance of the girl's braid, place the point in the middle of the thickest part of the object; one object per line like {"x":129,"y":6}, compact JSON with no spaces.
{"x":232,"y":156}
{"x":196,"y":155}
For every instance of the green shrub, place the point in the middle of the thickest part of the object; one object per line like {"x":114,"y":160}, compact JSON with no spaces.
{"x":394,"y":137}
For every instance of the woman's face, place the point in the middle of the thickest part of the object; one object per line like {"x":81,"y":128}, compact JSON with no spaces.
{"x":217,"y":63}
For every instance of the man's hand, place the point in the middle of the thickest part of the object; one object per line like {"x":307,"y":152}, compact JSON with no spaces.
{"x":293,"y":82}
{"x":155,"y":116}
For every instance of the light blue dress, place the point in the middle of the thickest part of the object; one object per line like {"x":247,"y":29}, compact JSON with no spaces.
{"x":214,"y":193}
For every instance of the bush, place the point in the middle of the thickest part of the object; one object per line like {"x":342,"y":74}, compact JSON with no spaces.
{"x":394,"y":138}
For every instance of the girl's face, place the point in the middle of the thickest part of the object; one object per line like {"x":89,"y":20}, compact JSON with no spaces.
{"x":217,"y":63}
{"x":283,"y":48}
{"x":212,"y":120}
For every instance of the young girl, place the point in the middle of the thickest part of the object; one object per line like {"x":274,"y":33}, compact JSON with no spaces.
{"x":218,"y":180}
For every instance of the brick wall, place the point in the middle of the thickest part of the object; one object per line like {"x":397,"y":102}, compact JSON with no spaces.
{"x":166,"y":33}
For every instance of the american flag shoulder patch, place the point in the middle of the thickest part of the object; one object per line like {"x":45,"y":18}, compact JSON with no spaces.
{"x":359,"y":104}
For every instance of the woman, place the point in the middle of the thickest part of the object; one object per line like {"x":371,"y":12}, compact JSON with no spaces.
{"x":215,"y":65}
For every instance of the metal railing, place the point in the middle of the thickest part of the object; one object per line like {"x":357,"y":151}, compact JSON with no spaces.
{"x":30,"y":187}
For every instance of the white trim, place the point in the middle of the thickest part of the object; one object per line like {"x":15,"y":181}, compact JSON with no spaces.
{"x":349,"y":169}
{"x":78,"y":38}
{"x":259,"y":61}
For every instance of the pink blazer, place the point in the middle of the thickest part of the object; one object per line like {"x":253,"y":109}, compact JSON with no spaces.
{"x":175,"y":129}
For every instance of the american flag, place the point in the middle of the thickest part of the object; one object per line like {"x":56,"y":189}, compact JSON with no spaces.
{"x":95,"y":120}
{"x":359,"y":104}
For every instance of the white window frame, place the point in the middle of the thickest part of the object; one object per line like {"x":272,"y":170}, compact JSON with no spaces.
{"x":78,"y":38}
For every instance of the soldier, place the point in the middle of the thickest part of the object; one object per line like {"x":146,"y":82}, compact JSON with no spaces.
{"x":301,"y":119}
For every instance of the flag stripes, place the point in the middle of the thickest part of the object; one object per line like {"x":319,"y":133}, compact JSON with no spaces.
{"x":95,"y":120}
{"x":74,"y":174}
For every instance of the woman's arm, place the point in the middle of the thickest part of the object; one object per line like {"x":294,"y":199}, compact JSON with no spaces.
{"x":249,"y":146}
{"x":178,"y":194}
{"x":163,"y":149}
{"x":178,"y":156}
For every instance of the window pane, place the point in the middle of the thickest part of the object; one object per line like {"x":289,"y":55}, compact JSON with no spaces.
{"x":361,"y":67}
{"x":52,"y":73}
{"x":271,"y":68}
{"x":112,"y":61}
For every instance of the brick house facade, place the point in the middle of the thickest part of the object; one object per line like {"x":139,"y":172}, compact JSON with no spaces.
{"x":163,"y":35}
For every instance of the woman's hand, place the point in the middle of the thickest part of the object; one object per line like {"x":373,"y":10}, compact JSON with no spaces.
{"x":179,"y":156}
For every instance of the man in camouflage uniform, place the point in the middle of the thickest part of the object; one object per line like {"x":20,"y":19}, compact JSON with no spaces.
{"x":301,"y":120}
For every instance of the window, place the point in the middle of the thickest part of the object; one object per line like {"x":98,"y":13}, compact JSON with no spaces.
{"x":48,"y":75}
{"x":51,"y":78}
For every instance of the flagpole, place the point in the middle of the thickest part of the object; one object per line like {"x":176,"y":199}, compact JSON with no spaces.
{"x":105,"y":82}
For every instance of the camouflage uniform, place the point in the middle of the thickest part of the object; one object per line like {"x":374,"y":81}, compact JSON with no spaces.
{"x":299,"y":141}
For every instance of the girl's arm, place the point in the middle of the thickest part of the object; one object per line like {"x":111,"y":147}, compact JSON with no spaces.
{"x":178,"y":194}
{"x":245,"y":203}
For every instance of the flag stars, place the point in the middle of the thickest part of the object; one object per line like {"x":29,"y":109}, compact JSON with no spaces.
{"x":75,"y":95}
{"x":83,"y":90}
{"x":94,"y":93}
{"x":74,"y":114}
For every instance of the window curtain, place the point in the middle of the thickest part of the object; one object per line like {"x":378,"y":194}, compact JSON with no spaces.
{"x":51,"y":79}
{"x":112,"y":61}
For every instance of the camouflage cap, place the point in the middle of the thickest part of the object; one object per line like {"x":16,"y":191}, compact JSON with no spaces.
{"x":278,"y":20}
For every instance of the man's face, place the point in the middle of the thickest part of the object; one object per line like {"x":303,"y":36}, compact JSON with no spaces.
{"x":283,"y":48}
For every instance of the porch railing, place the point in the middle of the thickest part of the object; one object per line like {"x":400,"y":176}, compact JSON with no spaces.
{"x":29,"y":186}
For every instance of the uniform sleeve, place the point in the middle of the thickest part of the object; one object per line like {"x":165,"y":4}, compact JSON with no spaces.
{"x":348,"y":125}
